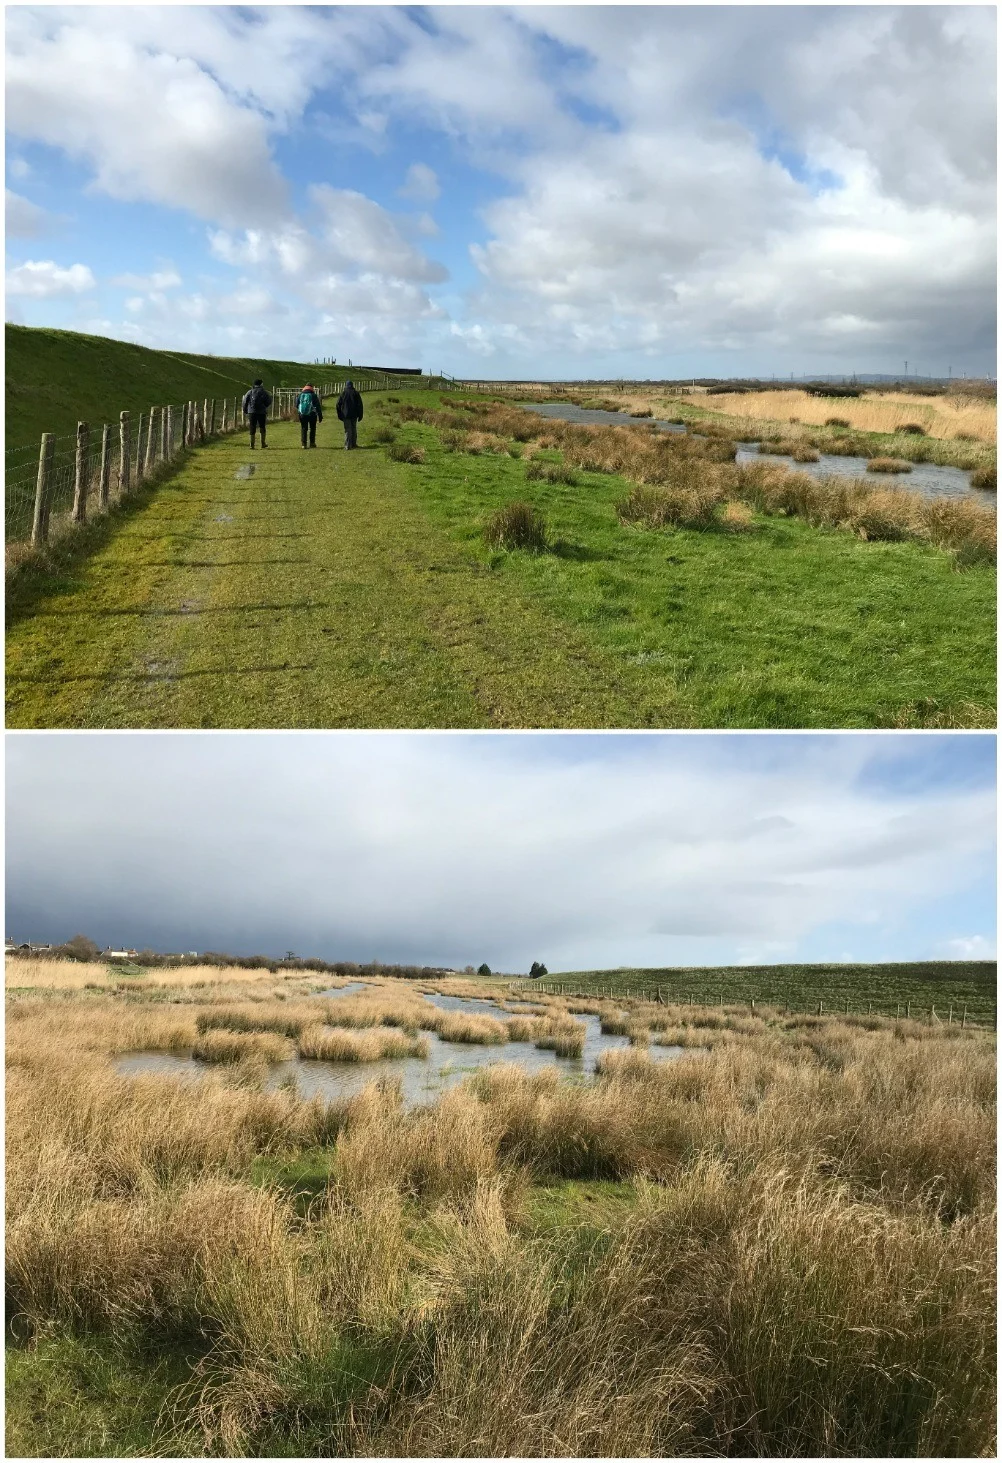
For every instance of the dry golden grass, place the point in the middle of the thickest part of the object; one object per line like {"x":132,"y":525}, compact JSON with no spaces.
{"x":71,"y":975}
{"x":338,"y":1044}
{"x":803,"y":1263}
{"x":941,"y":416}
{"x":241,"y":1046}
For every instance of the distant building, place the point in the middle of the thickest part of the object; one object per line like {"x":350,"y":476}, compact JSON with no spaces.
{"x":119,"y":954}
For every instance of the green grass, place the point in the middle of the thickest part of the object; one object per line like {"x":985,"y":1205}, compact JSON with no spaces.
{"x":939,"y":983}
{"x":90,"y":1397}
{"x":56,"y":378}
{"x":335,"y":589}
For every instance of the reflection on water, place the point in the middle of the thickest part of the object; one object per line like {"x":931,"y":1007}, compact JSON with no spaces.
{"x":563,"y":411}
{"x":927,"y":478}
{"x":422,"y":1080}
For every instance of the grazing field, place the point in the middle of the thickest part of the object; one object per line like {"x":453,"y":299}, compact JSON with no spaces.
{"x":922,"y":984}
{"x":668,"y":587}
{"x":779,"y":1245}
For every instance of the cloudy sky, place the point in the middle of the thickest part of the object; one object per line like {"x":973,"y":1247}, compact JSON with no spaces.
{"x":584,"y":852}
{"x":584,"y":191}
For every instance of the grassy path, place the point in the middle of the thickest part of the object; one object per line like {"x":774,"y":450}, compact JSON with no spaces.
{"x":314,"y":593}
{"x":334,"y":589}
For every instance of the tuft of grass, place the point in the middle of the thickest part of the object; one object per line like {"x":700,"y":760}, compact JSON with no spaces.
{"x":835,"y":422}
{"x":517,"y":525}
{"x":985,"y":477}
{"x":383,"y":435}
{"x":550,"y":472}
{"x":219,"y":1045}
{"x":888,"y":464}
{"x":338,"y":1044}
{"x":405,"y":452}
{"x":913,"y":429}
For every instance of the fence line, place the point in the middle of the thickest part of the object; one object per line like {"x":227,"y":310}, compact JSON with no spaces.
{"x":956,"y":1013}
{"x":92,"y":468}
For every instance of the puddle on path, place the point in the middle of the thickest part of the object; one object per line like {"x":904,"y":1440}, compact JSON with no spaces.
{"x":422,"y":1080}
{"x":246,"y":471}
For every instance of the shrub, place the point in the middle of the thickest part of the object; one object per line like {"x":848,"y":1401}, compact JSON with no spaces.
{"x":837,"y":422}
{"x":383,"y":435}
{"x":671,"y":506}
{"x":984,"y":477}
{"x":646,"y":412}
{"x":517,"y":525}
{"x":405,"y":452}
{"x":888,"y":464}
{"x":913,"y":428}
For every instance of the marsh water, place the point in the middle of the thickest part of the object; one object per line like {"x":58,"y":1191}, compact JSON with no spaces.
{"x":421,"y":1079}
{"x":928,"y":478}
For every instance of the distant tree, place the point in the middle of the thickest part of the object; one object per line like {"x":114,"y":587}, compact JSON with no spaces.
{"x":467,"y":969}
{"x":483,"y":969}
{"x":80,"y":948}
{"x":536,"y":970}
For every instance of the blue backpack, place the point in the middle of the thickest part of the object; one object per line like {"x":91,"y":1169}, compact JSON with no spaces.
{"x":307,"y":404}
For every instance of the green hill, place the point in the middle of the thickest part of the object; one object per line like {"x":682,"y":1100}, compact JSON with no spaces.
{"x":56,"y":378}
{"x":885,"y":986}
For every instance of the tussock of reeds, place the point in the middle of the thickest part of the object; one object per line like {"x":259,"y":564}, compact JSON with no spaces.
{"x":517,"y":525}
{"x":238,"y":1046}
{"x":888,"y":464}
{"x":803,"y":1266}
{"x":339,"y":1044}
{"x":405,"y":452}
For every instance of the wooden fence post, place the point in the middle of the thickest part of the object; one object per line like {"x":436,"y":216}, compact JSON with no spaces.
{"x":226,"y":415}
{"x":164,"y":446}
{"x":169,"y":433}
{"x":104,"y":481}
{"x":125,"y":451}
{"x":141,"y":446}
{"x":81,"y":474}
{"x":964,"y":1021}
{"x":212,"y":417}
{"x":151,"y":440}
{"x":43,"y":489}
{"x":206,"y":429}
{"x":908,"y":1009}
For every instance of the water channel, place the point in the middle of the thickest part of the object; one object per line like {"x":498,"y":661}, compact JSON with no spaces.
{"x":928,"y":478}
{"x":421,"y":1079}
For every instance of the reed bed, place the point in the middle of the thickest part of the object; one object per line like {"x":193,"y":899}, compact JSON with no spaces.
{"x":240,"y":1046}
{"x":952,"y":416}
{"x":72,"y":975}
{"x":339,"y":1044}
{"x":803,"y":1262}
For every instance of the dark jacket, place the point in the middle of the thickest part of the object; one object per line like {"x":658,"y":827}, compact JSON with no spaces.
{"x":256,"y":400}
{"x":316,"y":410}
{"x":349,"y":405}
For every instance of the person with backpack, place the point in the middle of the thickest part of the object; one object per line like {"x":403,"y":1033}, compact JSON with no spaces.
{"x":255,"y":406}
{"x":310,"y":412}
{"x":349,"y":410}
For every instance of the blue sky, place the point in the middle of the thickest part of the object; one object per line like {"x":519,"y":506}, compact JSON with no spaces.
{"x":588,"y":851}
{"x":561,"y":191}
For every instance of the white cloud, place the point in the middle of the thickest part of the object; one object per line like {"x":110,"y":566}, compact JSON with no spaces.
{"x":421,"y":184}
{"x":151,"y":123}
{"x":24,"y":219}
{"x":161,"y":279}
{"x":42,"y":279}
{"x":970,"y":947}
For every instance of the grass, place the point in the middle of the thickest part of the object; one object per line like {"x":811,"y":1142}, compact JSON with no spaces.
{"x":56,"y":378}
{"x":344,"y":589}
{"x":925,"y":984}
{"x":782,"y":1246}
{"x":886,"y":413}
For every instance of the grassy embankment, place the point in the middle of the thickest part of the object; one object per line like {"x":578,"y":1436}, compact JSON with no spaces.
{"x":55,"y":378}
{"x":922,"y":984}
{"x":782,"y":1246}
{"x":358,"y":590}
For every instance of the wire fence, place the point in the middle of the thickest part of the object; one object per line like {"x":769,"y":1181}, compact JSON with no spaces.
{"x":75,"y":475}
{"x":959,"y":1013}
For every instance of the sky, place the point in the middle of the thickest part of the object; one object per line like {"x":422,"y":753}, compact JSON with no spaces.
{"x":582,"y":851}
{"x":549,"y":191}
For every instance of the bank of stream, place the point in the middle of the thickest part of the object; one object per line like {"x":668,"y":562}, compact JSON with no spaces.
{"x":928,"y":478}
